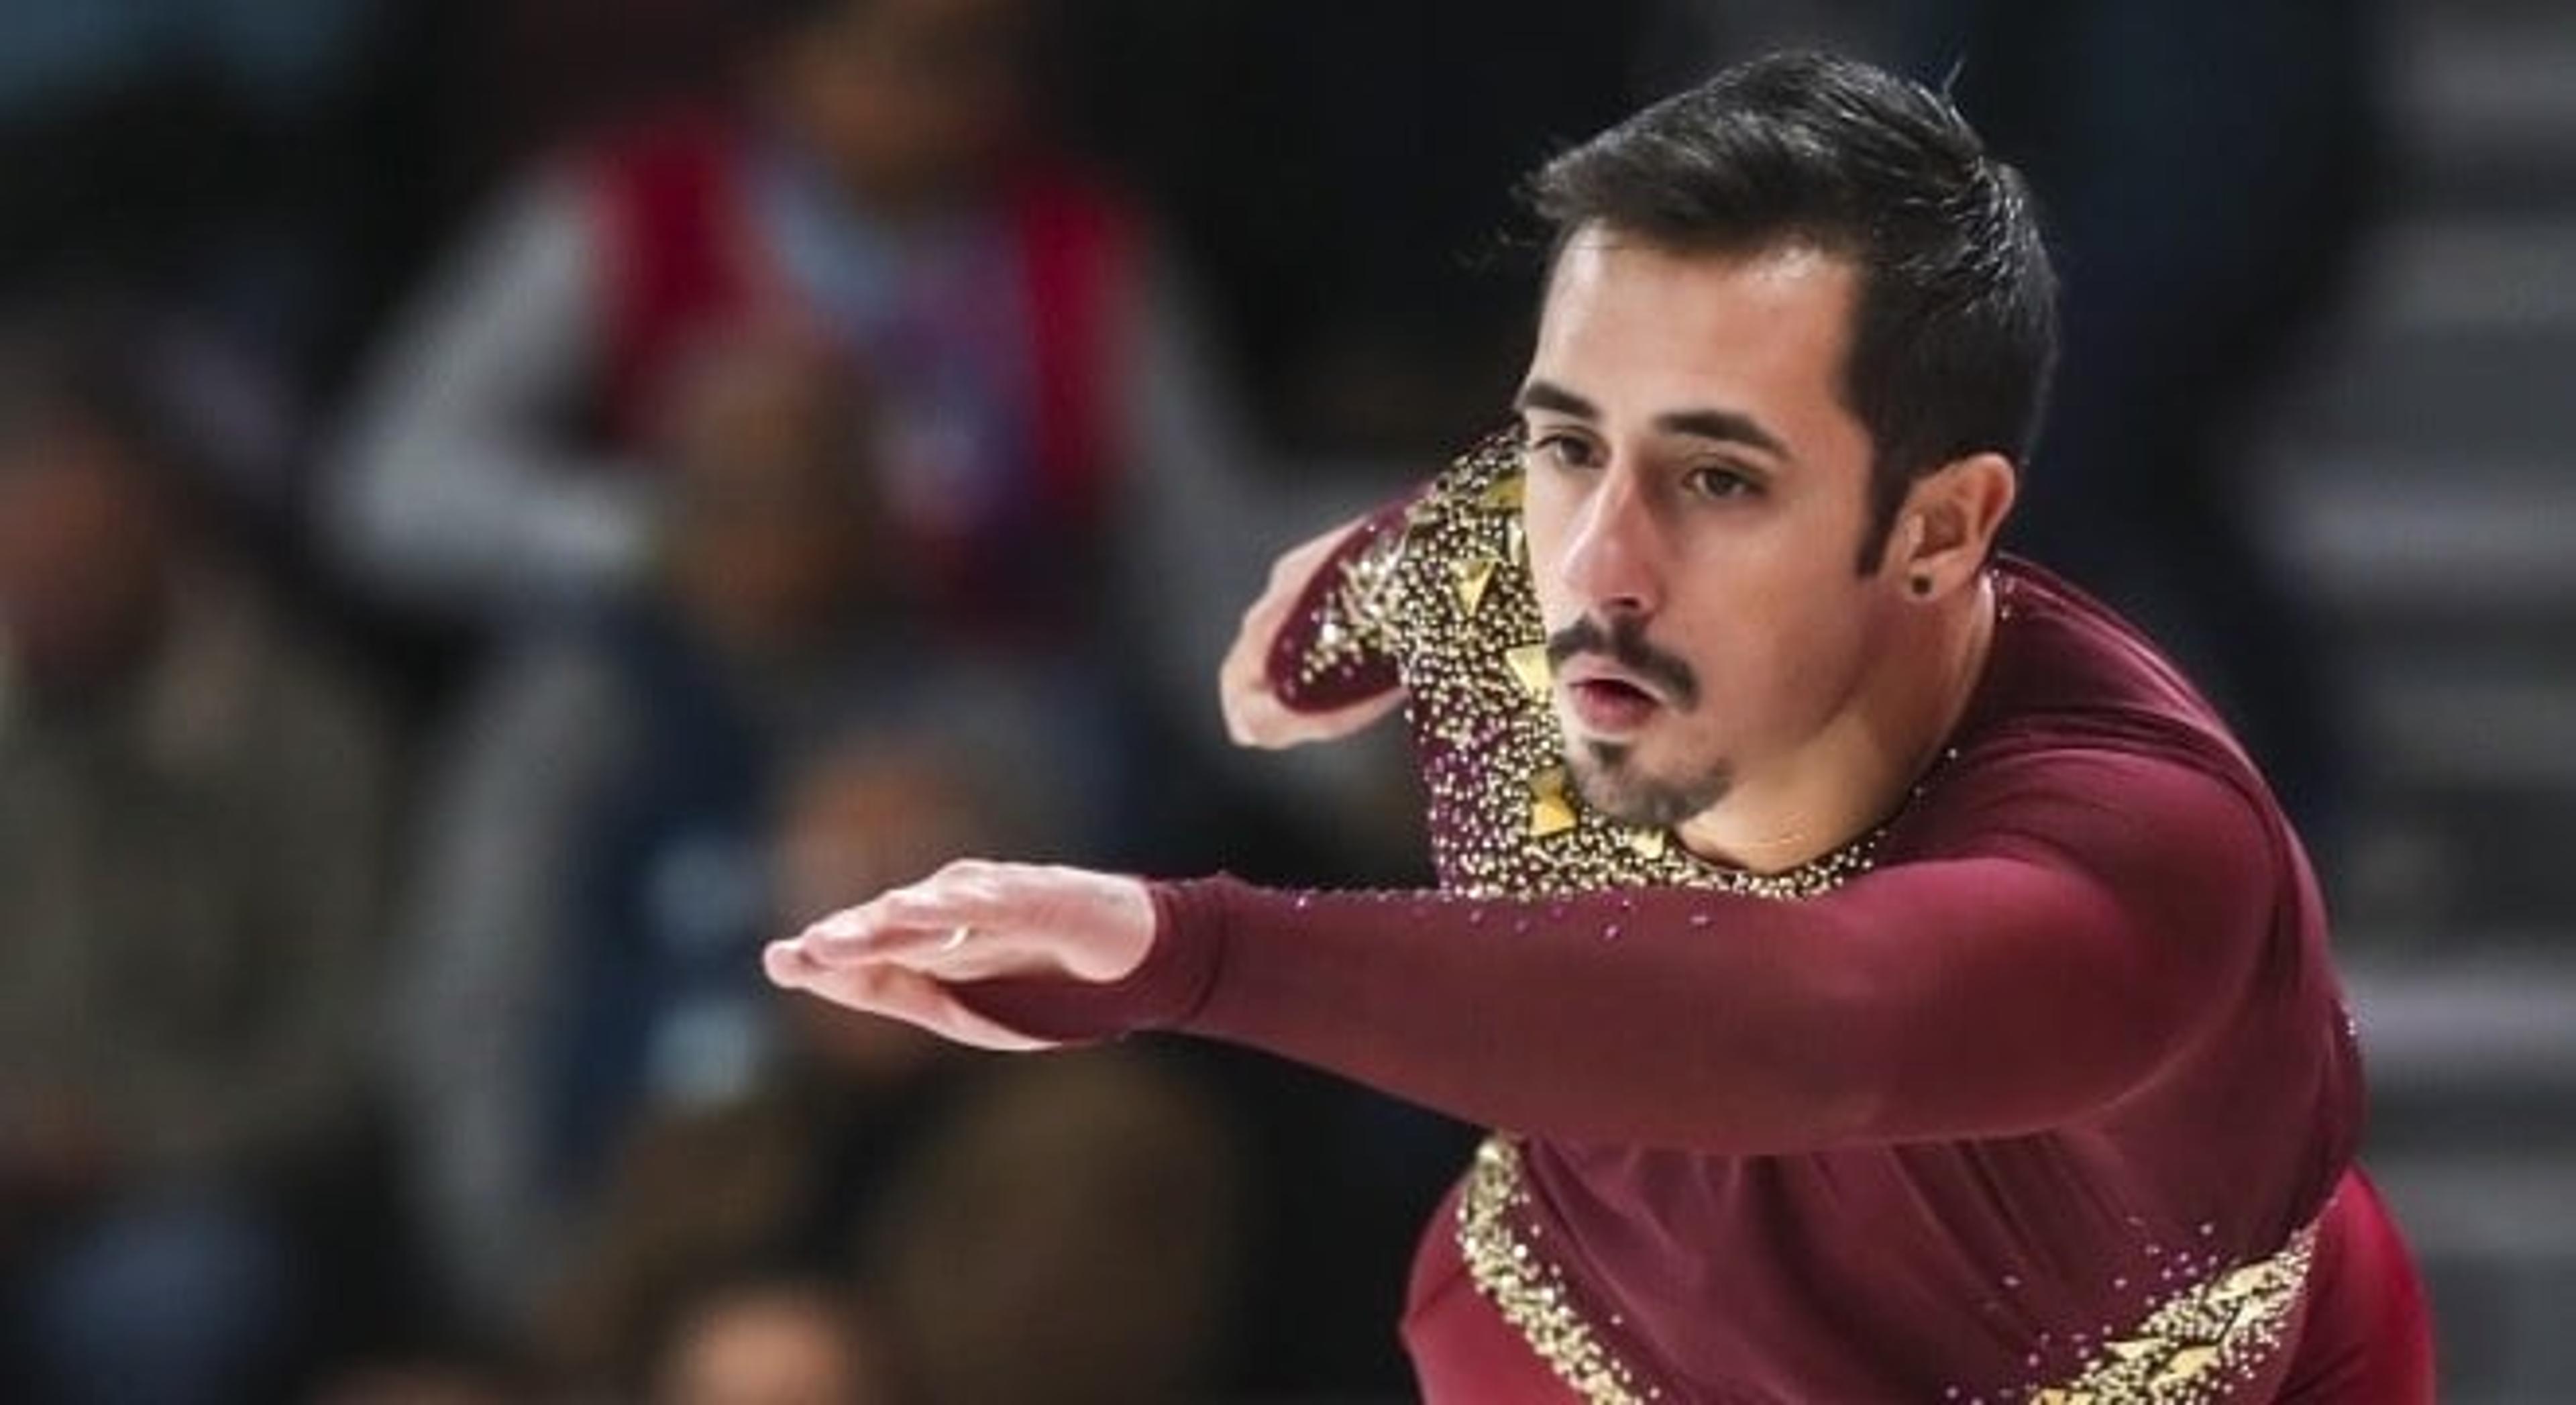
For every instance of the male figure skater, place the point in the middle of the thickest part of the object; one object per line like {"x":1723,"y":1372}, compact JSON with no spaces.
{"x":1891,"y":980}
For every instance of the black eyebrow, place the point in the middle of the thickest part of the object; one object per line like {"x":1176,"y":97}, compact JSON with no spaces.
{"x":1548,"y":395}
{"x":1725,"y":426}
{"x":1722,"y":426}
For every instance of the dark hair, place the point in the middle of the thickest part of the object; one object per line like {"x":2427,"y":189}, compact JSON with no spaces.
{"x":1955,"y":331}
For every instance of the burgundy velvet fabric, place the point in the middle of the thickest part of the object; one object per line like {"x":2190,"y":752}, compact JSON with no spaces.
{"x":2073,"y":1046}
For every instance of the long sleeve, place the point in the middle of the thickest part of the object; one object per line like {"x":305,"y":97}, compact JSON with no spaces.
{"x":1338,"y":645}
{"x":459,"y":489}
{"x":2054,"y":957}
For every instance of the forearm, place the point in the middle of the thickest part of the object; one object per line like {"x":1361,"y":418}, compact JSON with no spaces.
{"x":1609,"y":1017}
{"x":1970,"y":999}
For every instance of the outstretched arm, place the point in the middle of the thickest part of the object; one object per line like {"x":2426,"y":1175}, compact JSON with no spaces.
{"x":2061,"y":958}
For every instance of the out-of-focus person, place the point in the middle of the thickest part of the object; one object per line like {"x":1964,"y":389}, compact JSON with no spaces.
{"x":1044,"y":388}
{"x":869,"y":1157}
{"x":193,"y":804}
{"x":596,"y":871}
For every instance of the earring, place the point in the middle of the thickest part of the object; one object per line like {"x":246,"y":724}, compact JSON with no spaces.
{"x":1922,"y":586}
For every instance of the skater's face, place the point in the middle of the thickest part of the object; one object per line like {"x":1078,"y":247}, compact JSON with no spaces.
{"x":1696,"y":497}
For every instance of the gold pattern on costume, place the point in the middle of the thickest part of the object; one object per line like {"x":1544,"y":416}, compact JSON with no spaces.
{"x":1355,"y":619}
{"x":1473,"y":575}
{"x":1551,"y":813}
{"x":1529,"y":1290}
{"x":2202,"y":1341}
{"x":1530,"y":670}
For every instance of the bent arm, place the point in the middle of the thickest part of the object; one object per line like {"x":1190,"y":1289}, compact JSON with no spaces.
{"x":1337,"y":645}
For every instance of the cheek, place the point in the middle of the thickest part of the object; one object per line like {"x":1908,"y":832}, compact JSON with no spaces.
{"x":1773,"y":638}
{"x":1543,"y":529}
{"x":1822,"y":657}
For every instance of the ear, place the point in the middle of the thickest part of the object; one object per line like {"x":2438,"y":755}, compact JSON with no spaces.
{"x":1946,"y":530}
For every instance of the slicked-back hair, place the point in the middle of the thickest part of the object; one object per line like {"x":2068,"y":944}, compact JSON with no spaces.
{"x":1954,"y":331}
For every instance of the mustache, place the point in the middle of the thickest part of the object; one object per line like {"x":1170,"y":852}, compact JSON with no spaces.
{"x":1623,"y":642}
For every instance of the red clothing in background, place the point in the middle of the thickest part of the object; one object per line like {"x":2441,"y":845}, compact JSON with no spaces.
{"x":2051,"y":1097}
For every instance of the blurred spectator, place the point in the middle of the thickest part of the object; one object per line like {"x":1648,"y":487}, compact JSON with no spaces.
{"x":1071,"y":1237}
{"x":1044,"y":392}
{"x":596,"y":887}
{"x":192,"y":808}
{"x":880,"y":1156}
{"x":774,"y":1341}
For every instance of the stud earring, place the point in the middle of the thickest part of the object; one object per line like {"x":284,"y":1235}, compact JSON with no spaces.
{"x":1922,"y":586}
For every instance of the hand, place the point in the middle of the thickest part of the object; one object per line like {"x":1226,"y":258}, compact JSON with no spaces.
{"x":898,"y":954}
{"x":1254,"y":714}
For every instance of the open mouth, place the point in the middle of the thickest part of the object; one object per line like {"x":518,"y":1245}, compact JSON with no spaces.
{"x":1611,"y":704}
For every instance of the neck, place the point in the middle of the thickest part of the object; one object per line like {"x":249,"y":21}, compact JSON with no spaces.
{"x":1856,"y":771}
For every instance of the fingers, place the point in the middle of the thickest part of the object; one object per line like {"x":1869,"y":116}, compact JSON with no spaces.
{"x":892,"y":991}
{"x":900,"y":953}
{"x":917,"y":925}
{"x":896,"y":955}
{"x":1252,"y":709}
{"x":1254,"y":716}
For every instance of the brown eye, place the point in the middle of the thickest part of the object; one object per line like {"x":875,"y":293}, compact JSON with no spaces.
{"x":1562,"y":450}
{"x":1719,"y":483}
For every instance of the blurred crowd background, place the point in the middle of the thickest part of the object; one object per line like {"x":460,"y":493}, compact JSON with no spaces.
{"x":506,"y":505}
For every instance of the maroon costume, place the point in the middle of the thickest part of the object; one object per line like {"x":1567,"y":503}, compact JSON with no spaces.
{"x":2044,"y":1090}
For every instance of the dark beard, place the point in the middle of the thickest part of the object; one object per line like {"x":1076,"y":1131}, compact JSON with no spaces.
{"x":1608,"y":782}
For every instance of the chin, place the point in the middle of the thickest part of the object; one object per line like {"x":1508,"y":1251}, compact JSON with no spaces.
{"x":1611,"y":779}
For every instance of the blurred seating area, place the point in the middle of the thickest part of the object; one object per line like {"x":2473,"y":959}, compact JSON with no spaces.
{"x":507,"y":505}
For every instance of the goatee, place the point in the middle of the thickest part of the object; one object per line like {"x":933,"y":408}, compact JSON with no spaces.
{"x":1607,"y":777}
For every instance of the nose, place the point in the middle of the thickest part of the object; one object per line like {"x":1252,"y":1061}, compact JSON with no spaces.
{"x":1610,"y":564}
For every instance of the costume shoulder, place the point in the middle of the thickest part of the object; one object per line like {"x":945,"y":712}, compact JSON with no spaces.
{"x":1361,"y":609}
